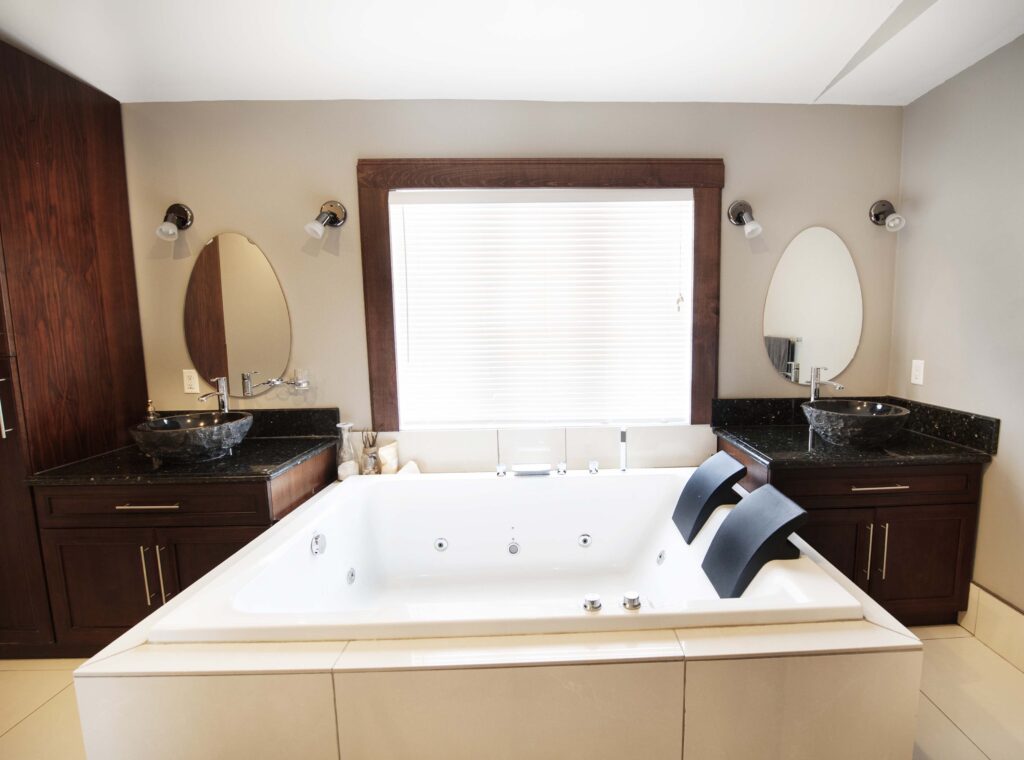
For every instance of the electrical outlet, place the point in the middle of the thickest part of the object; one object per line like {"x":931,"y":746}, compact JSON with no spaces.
{"x":191,"y":380}
{"x":917,"y":371}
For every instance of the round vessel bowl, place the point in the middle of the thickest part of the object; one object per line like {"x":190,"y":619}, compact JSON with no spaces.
{"x":196,"y":437}
{"x":860,"y":424}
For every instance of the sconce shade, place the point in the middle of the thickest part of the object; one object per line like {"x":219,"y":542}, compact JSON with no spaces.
{"x":177,"y":217}
{"x":883,"y":213}
{"x":332,"y":214}
{"x":742,"y":215}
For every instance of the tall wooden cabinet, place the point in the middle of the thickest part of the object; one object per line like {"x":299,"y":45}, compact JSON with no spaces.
{"x":73,"y":376}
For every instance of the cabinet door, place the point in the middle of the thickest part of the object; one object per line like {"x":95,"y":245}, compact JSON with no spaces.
{"x":24,"y":610}
{"x":102,"y":581}
{"x":922,"y":560}
{"x":843,"y":536}
{"x":187,"y":554}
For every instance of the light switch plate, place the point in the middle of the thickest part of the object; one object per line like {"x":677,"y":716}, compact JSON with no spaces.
{"x":191,"y":380}
{"x":917,"y":371}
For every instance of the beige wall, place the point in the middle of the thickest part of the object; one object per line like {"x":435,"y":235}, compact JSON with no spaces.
{"x":264,"y":168}
{"x":960,"y":281}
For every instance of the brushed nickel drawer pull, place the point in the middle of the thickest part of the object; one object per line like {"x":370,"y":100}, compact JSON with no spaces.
{"x":137,"y":507}
{"x":885,"y":551}
{"x":871,"y":543}
{"x":4,"y":430}
{"x":145,"y":576}
{"x":160,"y":574}
{"x":897,"y":487}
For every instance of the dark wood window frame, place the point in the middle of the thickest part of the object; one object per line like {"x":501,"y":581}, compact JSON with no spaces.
{"x":378,"y":177}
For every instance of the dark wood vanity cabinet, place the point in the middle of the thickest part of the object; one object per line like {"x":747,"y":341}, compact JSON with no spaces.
{"x":114,"y":553}
{"x":105,"y":580}
{"x":905,"y":534}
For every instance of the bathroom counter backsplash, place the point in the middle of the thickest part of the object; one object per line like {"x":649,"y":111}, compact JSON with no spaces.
{"x":774,"y":430}
{"x":280,"y":439}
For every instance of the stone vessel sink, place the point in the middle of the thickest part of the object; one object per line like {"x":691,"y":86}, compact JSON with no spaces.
{"x":198,"y":437}
{"x":861,"y":424}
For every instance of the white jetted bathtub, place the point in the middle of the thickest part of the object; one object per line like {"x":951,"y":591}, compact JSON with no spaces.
{"x":474,"y":555}
{"x":442,"y":616}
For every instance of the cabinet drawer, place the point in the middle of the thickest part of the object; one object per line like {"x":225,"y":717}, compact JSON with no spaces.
{"x":221,"y":504}
{"x":879,"y":486}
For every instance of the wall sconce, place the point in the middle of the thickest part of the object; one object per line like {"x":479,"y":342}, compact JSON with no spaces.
{"x":741,"y":214}
{"x":332,"y":214}
{"x":884,"y":213}
{"x":177,"y":217}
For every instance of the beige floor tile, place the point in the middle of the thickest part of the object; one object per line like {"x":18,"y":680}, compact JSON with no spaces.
{"x":22,"y":691}
{"x":939,"y":739}
{"x":50,"y":733}
{"x":55,"y":663}
{"x":979,"y":691}
{"x":925,"y":632}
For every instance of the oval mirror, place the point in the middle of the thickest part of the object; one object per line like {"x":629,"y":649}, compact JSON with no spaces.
{"x":236,"y":316}
{"x":813,"y":313}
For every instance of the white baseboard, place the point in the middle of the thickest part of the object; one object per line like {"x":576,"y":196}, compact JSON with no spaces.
{"x":995,"y":624}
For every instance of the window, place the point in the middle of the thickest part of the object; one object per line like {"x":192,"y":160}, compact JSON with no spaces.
{"x":505,"y":292}
{"x":542,"y":306}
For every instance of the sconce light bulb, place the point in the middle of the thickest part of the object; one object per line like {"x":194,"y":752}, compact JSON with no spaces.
{"x":314,"y":229}
{"x":167,"y":231}
{"x":895,"y":222}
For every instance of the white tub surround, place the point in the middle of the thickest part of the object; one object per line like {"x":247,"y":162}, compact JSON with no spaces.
{"x":806,"y":667}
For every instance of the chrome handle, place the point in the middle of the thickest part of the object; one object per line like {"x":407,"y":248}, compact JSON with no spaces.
{"x":897,"y":487}
{"x":4,"y":430}
{"x":136,"y":507}
{"x":145,"y":575}
{"x":160,"y":575}
{"x":885,"y":551}
{"x":871,"y":543}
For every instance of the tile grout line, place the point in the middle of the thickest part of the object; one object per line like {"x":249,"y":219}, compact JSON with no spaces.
{"x":955,"y":725}
{"x":37,"y":709}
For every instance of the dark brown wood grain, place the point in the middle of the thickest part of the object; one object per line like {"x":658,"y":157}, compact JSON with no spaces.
{"x":68,"y":258}
{"x":24,"y":611}
{"x":377,"y":177}
{"x":302,"y":481}
{"x":6,"y":333}
{"x":205,"y":332}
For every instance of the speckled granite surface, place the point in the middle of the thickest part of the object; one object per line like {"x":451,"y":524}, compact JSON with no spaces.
{"x":790,"y":446}
{"x":279,"y":440}
{"x":963,"y":428}
{"x":253,"y":459}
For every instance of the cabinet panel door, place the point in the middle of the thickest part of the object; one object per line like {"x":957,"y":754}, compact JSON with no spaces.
{"x":102,"y":581}
{"x":187,"y":554}
{"x":923,"y":557}
{"x":843,"y":537}
{"x":24,"y":610}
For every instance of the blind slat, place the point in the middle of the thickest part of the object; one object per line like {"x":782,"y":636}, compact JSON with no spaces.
{"x":542,"y":306}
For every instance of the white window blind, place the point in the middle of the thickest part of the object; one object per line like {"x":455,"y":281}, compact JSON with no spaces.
{"x":538,"y":307}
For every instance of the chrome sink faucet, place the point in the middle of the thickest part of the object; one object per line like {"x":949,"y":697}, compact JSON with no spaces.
{"x":816,"y":382}
{"x":221,"y":393}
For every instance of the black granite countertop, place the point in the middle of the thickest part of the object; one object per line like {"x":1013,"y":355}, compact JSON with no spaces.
{"x":792,"y":446}
{"x":253,"y":459}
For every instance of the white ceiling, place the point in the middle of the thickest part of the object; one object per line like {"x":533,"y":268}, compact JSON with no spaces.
{"x":777,"y":51}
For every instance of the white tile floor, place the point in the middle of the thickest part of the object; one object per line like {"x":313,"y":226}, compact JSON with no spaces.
{"x":971,"y":708}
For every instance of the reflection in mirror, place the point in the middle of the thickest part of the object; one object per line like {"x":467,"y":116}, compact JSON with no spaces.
{"x":236,"y":316}
{"x":813,"y":313}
